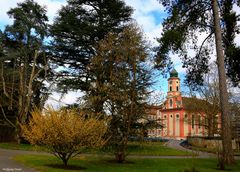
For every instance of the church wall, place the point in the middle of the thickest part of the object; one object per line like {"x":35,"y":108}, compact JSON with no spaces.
{"x":177,"y":121}
{"x":170,"y":124}
{"x":186,"y":124}
{"x":177,"y":124}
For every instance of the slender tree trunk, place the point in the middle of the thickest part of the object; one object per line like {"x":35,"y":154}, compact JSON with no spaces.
{"x":225,"y":117}
{"x":210,"y":125}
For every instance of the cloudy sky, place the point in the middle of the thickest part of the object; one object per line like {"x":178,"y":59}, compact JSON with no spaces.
{"x":148,"y":13}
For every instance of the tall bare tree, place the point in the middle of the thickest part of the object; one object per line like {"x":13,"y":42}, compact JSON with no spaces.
{"x":225,"y":116}
{"x":23,"y":62}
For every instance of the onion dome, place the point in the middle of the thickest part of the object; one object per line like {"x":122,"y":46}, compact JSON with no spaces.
{"x":173,"y":73}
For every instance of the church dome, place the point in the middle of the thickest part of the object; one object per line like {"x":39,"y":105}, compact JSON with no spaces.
{"x":173,"y":73}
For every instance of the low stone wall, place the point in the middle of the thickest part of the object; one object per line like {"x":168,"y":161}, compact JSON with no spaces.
{"x":210,"y":143}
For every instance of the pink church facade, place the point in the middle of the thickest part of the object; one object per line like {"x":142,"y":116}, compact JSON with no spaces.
{"x":177,"y":121}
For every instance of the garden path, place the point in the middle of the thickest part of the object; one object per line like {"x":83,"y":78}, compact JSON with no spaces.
{"x":7,"y":164}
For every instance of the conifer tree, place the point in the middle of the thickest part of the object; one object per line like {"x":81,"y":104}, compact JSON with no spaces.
{"x":79,"y":26}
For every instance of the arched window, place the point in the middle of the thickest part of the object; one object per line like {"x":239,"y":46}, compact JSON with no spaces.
{"x":186,"y":118}
{"x":170,"y":85}
{"x":199,"y":121}
{"x":177,"y":116}
{"x":193,"y":121}
{"x":170,"y":103}
{"x":177,"y":88}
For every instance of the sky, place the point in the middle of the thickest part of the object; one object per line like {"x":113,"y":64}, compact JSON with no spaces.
{"x":149,"y":14}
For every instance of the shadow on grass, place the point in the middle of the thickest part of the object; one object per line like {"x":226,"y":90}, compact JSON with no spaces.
{"x":69,"y":167}
{"x":113,"y":161}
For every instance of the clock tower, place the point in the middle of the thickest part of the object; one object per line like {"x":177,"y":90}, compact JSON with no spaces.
{"x":174,"y":99}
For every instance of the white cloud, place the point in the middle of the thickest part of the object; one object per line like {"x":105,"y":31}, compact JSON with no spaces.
{"x":144,"y":15}
{"x":56,"y":100}
{"x":144,"y":6}
{"x":5,"y":6}
{"x":51,"y":5}
{"x":237,"y":10}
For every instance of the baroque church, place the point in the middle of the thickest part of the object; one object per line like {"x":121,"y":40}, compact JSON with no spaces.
{"x":178,"y":122}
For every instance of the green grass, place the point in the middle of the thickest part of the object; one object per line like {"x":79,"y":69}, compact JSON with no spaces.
{"x":103,"y":164}
{"x":211,"y":150}
{"x":134,"y":148}
{"x":154,"y":148}
{"x":27,"y":147}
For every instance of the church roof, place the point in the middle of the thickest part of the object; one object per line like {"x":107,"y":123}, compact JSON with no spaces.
{"x":174,"y":73}
{"x":194,"y":104}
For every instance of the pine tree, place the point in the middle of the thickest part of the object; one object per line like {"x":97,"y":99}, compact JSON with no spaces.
{"x":79,"y":26}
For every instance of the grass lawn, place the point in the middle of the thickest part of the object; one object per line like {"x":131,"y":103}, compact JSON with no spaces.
{"x":154,"y":148}
{"x":135,"y":148}
{"x":27,"y":147}
{"x":211,"y":150}
{"x":103,"y":164}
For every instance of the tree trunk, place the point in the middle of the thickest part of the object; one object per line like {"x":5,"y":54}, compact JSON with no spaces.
{"x":225,"y":117}
{"x":120,"y":157}
{"x":210,"y":126}
{"x":65,"y":162}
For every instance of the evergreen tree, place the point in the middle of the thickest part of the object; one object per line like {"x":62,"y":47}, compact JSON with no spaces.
{"x":79,"y":26}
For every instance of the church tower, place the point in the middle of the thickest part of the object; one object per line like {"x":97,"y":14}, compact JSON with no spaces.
{"x":174,"y":99}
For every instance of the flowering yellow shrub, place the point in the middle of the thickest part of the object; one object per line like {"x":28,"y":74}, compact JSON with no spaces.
{"x":65,"y":132}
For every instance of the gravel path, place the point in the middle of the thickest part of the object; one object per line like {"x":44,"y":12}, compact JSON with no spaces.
{"x":7,"y":164}
{"x":177,"y":144}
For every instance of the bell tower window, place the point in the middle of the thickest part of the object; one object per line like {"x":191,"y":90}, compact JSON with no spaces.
{"x":170,"y":103}
{"x":170,"y":85}
{"x":177,"y":88}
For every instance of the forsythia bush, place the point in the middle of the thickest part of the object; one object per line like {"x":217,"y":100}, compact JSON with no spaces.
{"x":65,"y":132}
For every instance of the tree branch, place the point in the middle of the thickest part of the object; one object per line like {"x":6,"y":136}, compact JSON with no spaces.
{"x":203,"y":43}
{"x":4,"y":83}
{"x":5,"y":117}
